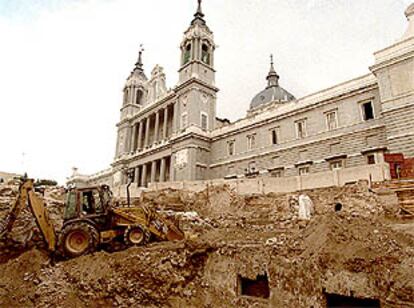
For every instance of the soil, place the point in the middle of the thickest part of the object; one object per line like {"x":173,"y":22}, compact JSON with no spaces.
{"x":360,"y":251}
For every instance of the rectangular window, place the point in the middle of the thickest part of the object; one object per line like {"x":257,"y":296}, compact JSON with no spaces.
{"x":367,"y":111}
{"x":371,"y":159}
{"x":300,"y":129}
{"x":231,"y":147}
{"x":274,"y":135}
{"x":332,"y":120}
{"x":251,"y":141}
{"x":337,"y":164}
{"x":303,"y":170}
{"x":278,"y":173}
{"x":184,"y":120}
{"x":204,"y":121}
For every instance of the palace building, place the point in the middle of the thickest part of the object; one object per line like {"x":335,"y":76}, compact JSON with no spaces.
{"x":173,"y":135}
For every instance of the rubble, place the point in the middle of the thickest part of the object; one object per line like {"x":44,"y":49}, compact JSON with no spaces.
{"x":25,"y":233}
{"x":239,"y":251}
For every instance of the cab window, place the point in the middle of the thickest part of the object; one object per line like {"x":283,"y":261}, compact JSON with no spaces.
{"x":88,"y":206}
{"x":98,"y":204}
{"x":70,"y":209}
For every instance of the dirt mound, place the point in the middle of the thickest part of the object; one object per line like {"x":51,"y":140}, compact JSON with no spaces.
{"x":148,"y":276}
{"x":240,"y":251}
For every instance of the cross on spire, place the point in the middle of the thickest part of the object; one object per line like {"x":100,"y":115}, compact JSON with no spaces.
{"x":272,"y":77}
{"x":272,"y":68}
{"x":199,"y":7}
{"x":198,"y":16}
{"x":139,"y":65}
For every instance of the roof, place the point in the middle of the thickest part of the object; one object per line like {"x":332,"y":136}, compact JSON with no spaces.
{"x":271,"y":94}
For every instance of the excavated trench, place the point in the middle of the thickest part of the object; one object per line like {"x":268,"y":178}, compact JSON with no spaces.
{"x":240,"y":251}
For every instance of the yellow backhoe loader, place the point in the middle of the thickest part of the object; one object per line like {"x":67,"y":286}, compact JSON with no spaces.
{"x":90,"y":220}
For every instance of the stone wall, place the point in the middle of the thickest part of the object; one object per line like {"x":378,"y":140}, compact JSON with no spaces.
{"x":352,"y":135}
{"x":375,"y":173}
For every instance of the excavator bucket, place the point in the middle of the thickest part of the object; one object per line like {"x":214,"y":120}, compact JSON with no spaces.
{"x":156,"y":223}
{"x":173,"y":233}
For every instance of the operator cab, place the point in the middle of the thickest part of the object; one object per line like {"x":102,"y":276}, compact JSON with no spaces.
{"x":87,"y":202}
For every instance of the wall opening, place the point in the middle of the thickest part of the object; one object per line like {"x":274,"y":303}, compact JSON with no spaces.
{"x":187,"y":54}
{"x":368,"y":111}
{"x":205,"y":55}
{"x":258,"y":287}
{"x":335,"y":300}
{"x":338,"y":207}
{"x":139,"y":97}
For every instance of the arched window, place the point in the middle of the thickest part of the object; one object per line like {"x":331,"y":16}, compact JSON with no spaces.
{"x":139,"y":97}
{"x":205,"y":54}
{"x":187,"y":54}
{"x":126,"y":93}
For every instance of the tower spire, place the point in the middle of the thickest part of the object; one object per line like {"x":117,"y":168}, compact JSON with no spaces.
{"x":199,"y":15}
{"x":272,"y":77}
{"x":139,"y":65}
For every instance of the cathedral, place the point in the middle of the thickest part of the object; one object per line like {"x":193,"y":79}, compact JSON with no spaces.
{"x":361,"y":126}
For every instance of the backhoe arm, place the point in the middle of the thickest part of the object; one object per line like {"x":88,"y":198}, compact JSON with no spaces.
{"x":25,"y":196}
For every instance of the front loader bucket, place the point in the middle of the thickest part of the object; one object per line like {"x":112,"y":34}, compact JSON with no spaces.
{"x":174,"y":234}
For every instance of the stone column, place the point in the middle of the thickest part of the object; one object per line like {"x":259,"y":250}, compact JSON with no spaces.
{"x":153,"y":170}
{"x":162,"y":170}
{"x":136,"y":180}
{"x":165,"y":124}
{"x":175,"y":116}
{"x":134,"y":138}
{"x":127,"y":139}
{"x":172,"y":168}
{"x":193,"y":49}
{"x":133,"y":90}
{"x":157,"y":126}
{"x":140,"y":131}
{"x":198,"y":44}
{"x":130,"y":95}
{"x":144,"y":175}
{"x":147,"y":128}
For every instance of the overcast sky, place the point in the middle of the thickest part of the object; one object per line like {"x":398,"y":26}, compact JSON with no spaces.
{"x":63,"y":63}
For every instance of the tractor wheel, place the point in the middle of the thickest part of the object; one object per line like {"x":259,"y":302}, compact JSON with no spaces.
{"x":136,"y":235}
{"x":78,"y":239}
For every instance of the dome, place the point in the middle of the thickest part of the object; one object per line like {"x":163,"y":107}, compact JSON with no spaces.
{"x":273,"y":92}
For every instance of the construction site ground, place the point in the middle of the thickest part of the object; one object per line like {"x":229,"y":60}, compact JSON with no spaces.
{"x":240,"y":251}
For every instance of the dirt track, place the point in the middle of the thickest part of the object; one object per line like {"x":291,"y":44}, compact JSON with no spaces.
{"x":362,"y":251}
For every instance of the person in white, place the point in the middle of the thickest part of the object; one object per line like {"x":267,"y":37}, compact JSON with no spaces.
{"x":306,"y":208}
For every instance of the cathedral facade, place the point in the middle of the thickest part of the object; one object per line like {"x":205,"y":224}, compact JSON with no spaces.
{"x":171,"y":135}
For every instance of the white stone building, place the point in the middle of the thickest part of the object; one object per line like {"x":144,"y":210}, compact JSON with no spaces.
{"x":173,"y":135}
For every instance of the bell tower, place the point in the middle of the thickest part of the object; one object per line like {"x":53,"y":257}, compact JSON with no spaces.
{"x":135,"y":95}
{"x":197,"y":51}
{"x":196,"y":96}
{"x":196,"y":90}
